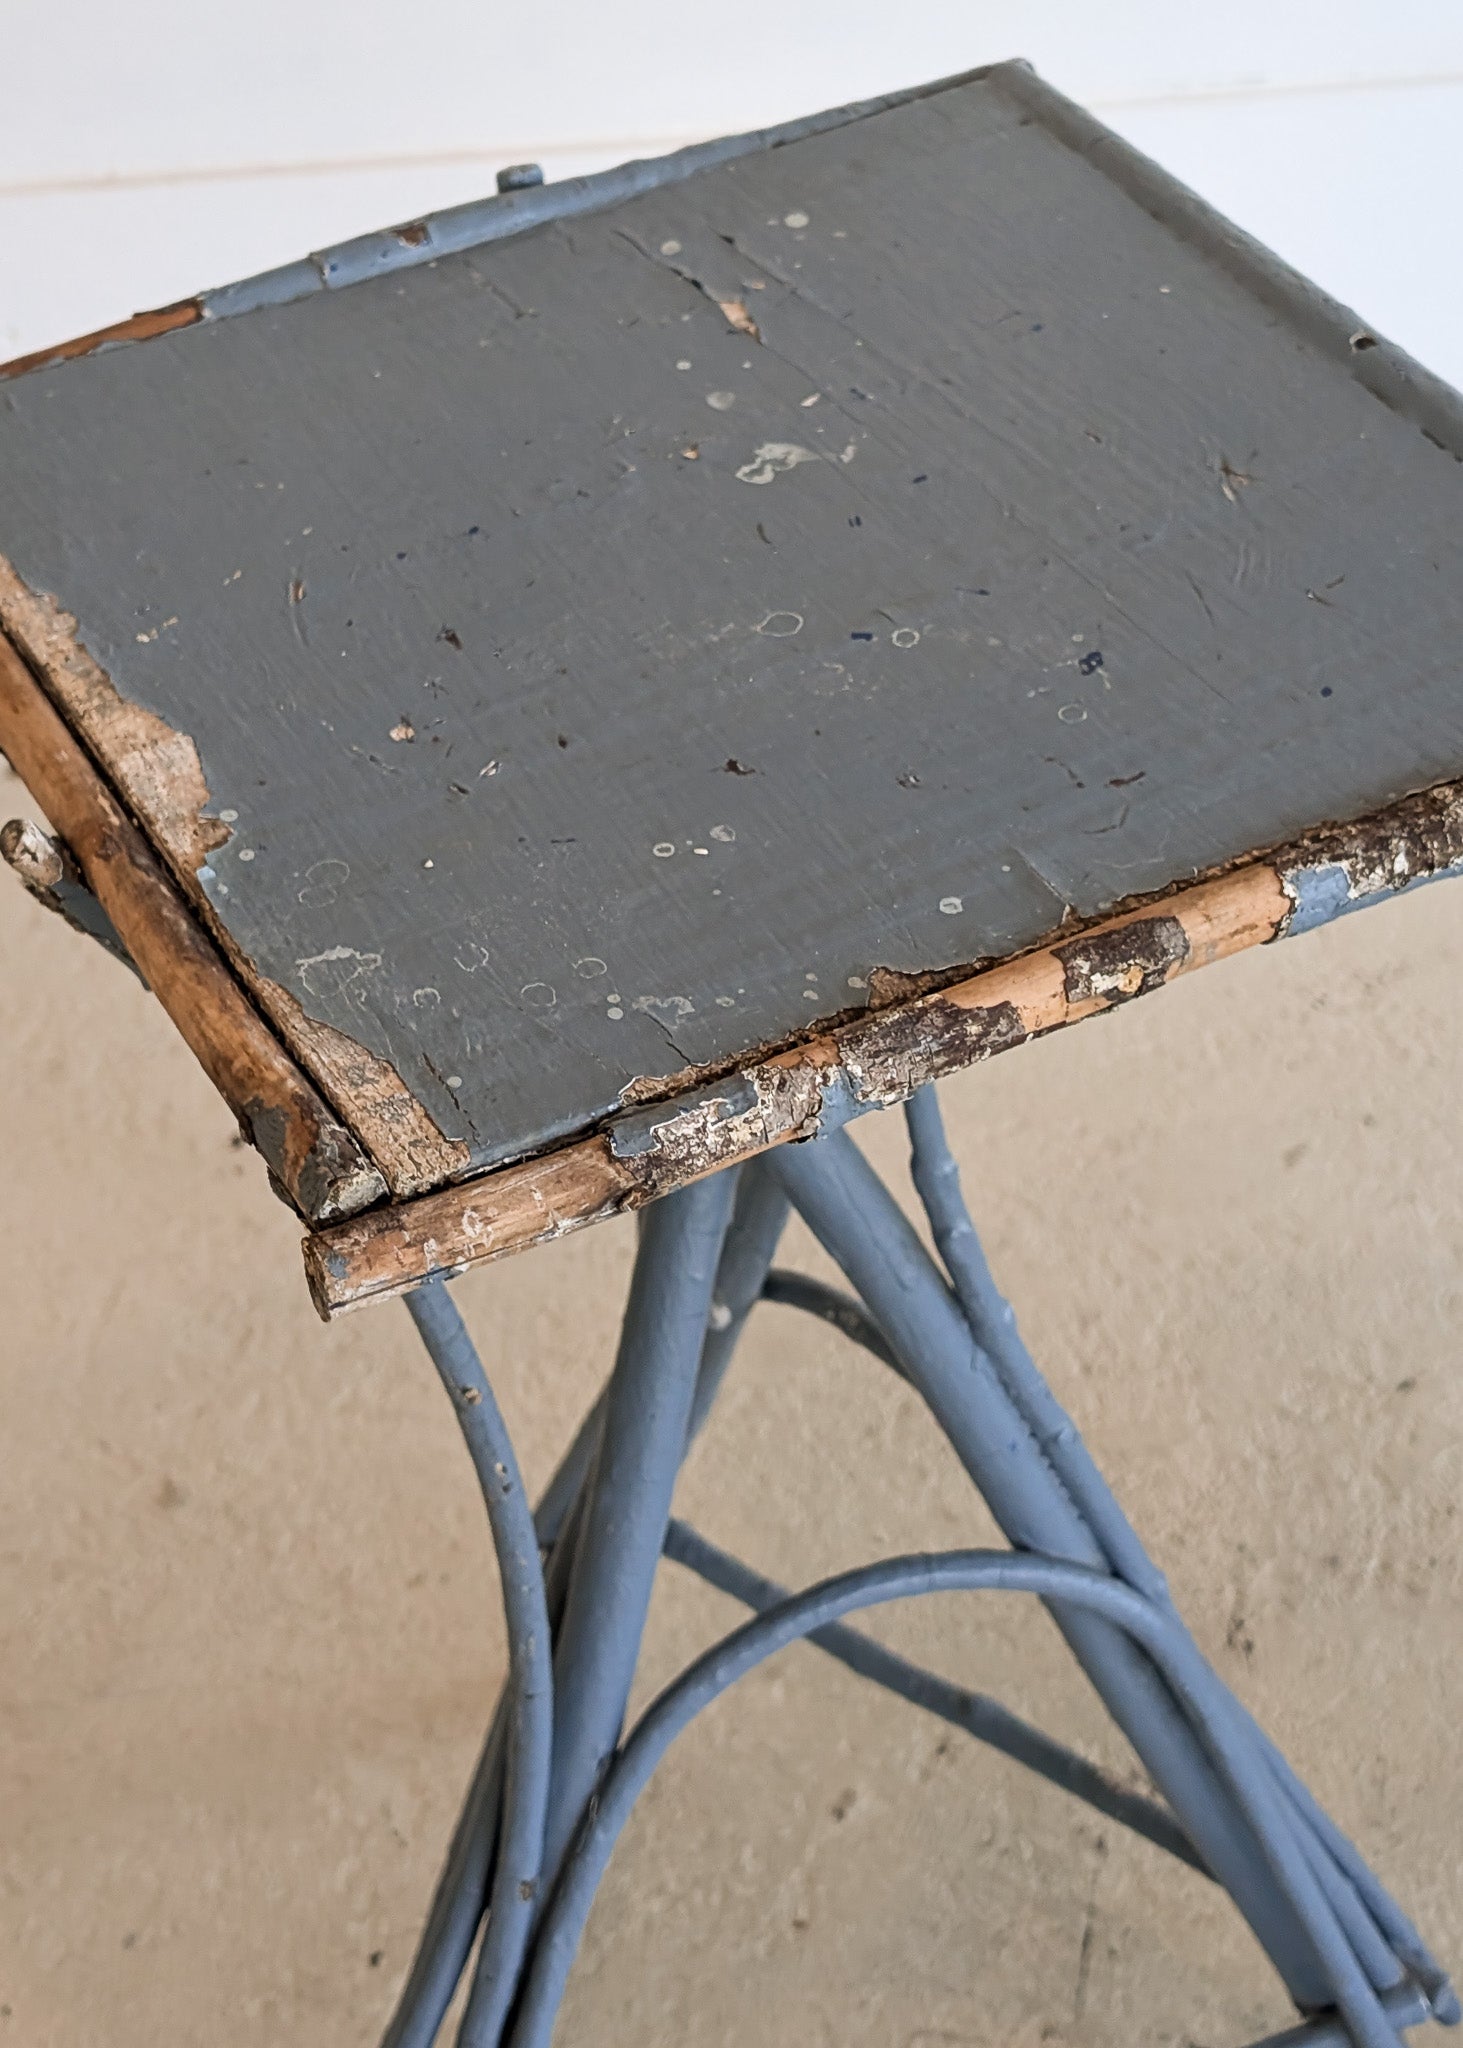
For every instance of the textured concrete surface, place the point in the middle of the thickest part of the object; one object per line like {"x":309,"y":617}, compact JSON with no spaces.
{"x":248,"y":1619}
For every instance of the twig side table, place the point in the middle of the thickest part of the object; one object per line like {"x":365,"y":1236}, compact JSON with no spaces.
{"x":569,"y":701}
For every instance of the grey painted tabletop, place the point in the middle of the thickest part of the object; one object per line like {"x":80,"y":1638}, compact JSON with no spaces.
{"x":613,"y":644}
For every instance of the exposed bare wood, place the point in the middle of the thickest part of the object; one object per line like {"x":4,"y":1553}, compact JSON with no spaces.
{"x":160,"y":775}
{"x":33,"y":855}
{"x":397,"y":1248}
{"x":315,"y":1160}
{"x":397,"y":1130}
{"x":140,"y":327}
{"x":46,"y":870}
{"x":883,"y":1057}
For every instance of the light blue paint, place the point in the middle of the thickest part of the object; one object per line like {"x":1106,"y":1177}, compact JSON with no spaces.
{"x":518,"y":209}
{"x":1324,"y":893}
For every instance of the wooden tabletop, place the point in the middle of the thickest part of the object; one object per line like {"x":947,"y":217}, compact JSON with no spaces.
{"x":608,"y":672}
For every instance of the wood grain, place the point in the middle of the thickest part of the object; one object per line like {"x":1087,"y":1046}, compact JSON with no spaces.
{"x":314,"y":1159}
{"x":140,"y":327}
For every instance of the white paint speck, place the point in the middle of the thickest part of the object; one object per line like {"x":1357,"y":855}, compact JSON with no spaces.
{"x":905,"y":636}
{"x":229,"y":817}
{"x":857,"y":981}
{"x":663,"y":849}
{"x":614,"y":1013}
{"x":811,"y":399}
{"x":724,"y":833}
{"x":810,"y":995}
{"x":429,"y":863}
{"x":670,"y":248}
{"x":590,"y":968}
{"x":1072,"y":714}
{"x":781,"y":625}
{"x":701,"y":849}
{"x":684,"y":363}
{"x":720,"y":1316}
{"x":771,"y":458}
{"x":675,"y":1007}
{"x":951,"y":906}
{"x":726,"y":1002}
{"x":247,"y":854}
{"x":334,"y":957}
{"x":721,"y":401}
{"x":849,"y":452}
{"x":427,"y":998}
{"x":538,"y":995}
{"x":795,"y":220}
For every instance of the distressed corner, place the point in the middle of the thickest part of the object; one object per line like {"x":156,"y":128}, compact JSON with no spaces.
{"x":413,"y":1154}
{"x":158,"y":770}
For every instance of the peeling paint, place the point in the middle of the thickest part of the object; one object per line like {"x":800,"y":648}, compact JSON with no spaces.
{"x":400,"y":1133}
{"x":667,"y":1145}
{"x":162,"y":777}
{"x":899,"y":1050}
{"x":1115,"y":966}
{"x":1418,"y":840}
{"x":159,"y":769}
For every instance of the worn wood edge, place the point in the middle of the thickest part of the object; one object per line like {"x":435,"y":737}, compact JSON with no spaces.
{"x":313,"y":1157}
{"x":880,"y":1059}
{"x":160,"y":777}
{"x":140,"y":327}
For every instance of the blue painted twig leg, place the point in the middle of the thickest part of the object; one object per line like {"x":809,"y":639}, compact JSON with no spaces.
{"x":1354,"y":1964}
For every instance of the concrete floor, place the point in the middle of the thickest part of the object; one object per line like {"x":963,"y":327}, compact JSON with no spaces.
{"x":249,"y":1627}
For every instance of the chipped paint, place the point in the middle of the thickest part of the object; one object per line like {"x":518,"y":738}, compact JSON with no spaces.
{"x":141,"y":327}
{"x":880,"y":1058}
{"x":404,"y":1140}
{"x":312,"y":1158}
{"x":737,"y":316}
{"x":774,"y":458}
{"x":49,"y":874}
{"x":667,"y":1145}
{"x":161,"y":775}
{"x":1418,"y":840}
{"x":1115,"y":966}
{"x":159,"y":769}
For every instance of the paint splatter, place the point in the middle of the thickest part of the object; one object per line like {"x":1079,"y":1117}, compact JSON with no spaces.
{"x":771,"y":458}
